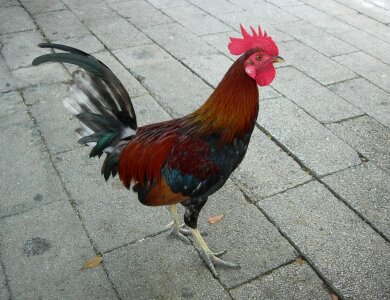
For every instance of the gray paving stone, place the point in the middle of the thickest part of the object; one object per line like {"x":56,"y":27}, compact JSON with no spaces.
{"x":196,"y":20}
{"x":366,"y":188}
{"x":4,"y":293}
{"x":11,"y":105}
{"x":6,"y":80}
{"x":367,"y":24}
{"x":368,"y":67}
{"x":88,"y":43}
{"x":290,"y":282}
{"x":367,"y":136}
{"x":141,"y":13}
{"x":27,"y":178}
{"x":42,"y":74}
{"x":179,"y":41}
{"x":41,"y":93}
{"x":318,"y":18}
{"x":245,"y":3}
{"x":167,"y":3}
{"x":249,"y":238}
{"x":8,"y":3}
{"x":220,"y":42}
{"x":43,"y":252}
{"x":117,"y":33}
{"x":142,"y":55}
{"x":321,"y":68}
{"x":365,"y":42}
{"x":211,"y":67}
{"x":311,"y":142}
{"x":366,"y":96}
{"x":112,"y":214}
{"x":344,"y":249}
{"x":132,"y":85}
{"x":380,"y":3}
{"x":282,"y":3}
{"x":216,"y":6}
{"x":175,"y":268}
{"x":55,"y":122}
{"x":148,"y":111}
{"x":90,"y":9}
{"x":268,"y":92}
{"x":270,"y":13}
{"x":369,"y":10}
{"x":58,"y":25}
{"x":37,"y":7}
{"x":248,"y":19}
{"x":265,"y":12}
{"x":179,"y":94}
{"x":330,"y":6}
{"x":316,"y":38}
{"x":19,"y":49}
{"x":14,"y":19}
{"x":265,"y":157}
{"x":314,"y":98}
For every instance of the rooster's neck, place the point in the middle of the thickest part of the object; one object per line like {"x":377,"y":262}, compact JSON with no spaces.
{"x":232,"y":108}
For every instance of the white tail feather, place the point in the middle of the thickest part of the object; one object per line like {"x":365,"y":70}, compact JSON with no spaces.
{"x":72,"y":106}
{"x":80,"y":97}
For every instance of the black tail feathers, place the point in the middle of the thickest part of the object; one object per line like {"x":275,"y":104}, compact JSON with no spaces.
{"x":100,"y":102}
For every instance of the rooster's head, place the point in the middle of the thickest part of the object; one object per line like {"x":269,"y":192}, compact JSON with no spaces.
{"x":260,"y":52}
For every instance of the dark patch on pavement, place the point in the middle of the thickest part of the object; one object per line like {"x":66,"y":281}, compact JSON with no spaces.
{"x":187,"y":294}
{"x":38,"y":197}
{"x":36,"y":246}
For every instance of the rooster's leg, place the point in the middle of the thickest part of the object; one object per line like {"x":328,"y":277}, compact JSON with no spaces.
{"x":193,"y":207}
{"x":177,"y":230}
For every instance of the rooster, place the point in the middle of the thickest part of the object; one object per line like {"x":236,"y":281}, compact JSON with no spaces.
{"x":184,"y":160}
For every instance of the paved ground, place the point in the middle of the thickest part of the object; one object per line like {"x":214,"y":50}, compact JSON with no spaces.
{"x":307,"y":213}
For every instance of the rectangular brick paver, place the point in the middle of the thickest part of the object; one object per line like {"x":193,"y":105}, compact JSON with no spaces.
{"x":364,"y":188}
{"x":314,"y":98}
{"x":294,"y":281}
{"x":367,"y":136}
{"x":43,"y":252}
{"x":310,"y":141}
{"x":347,"y":251}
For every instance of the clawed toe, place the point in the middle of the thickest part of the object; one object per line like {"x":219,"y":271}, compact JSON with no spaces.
{"x":184,"y":231}
{"x":177,"y":233}
{"x":212,"y":261}
{"x":219,"y":254}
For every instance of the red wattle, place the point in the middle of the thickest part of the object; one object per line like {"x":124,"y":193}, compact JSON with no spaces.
{"x":266,"y":75}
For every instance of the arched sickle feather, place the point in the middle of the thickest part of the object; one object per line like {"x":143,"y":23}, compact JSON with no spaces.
{"x":92,"y":65}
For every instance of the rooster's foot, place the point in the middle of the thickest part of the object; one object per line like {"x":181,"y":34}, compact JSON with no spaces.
{"x":211,"y":259}
{"x":180,"y":233}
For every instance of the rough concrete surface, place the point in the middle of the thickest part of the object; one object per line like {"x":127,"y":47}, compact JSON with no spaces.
{"x":306,"y":214}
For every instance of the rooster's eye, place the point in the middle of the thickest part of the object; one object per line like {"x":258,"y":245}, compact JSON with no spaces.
{"x":258,"y":57}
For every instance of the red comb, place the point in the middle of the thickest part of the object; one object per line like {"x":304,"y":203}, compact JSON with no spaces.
{"x":239,"y":46}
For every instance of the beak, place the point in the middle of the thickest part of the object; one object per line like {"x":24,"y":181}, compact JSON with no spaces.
{"x":277,"y":59}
